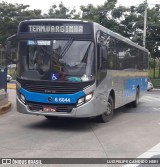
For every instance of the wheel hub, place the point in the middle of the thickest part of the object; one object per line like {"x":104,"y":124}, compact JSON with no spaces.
{"x":109,"y":109}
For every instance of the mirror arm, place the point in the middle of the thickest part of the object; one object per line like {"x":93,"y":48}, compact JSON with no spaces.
{"x":11,"y":37}
{"x":8,"y":48}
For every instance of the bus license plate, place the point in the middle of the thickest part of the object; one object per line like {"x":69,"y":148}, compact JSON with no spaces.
{"x":49,"y":109}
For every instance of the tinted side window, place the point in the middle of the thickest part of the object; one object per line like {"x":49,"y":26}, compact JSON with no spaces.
{"x":123,"y":55}
{"x":142,"y":60}
{"x":127,"y":56}
{"x":112,"y":55}
{"x":103,"y":53}
{"x":132,"y":53}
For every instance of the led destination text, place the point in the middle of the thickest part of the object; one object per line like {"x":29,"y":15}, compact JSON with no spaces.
{"x":56,"y":29}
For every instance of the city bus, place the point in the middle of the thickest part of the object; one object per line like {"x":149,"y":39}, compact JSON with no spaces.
{"x":75,"y":68}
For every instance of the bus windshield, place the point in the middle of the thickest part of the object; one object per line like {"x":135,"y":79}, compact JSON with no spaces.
{"x":56,"y":60}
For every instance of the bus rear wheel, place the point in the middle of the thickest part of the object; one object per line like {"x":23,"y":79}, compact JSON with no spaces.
{"x":108,"y":114}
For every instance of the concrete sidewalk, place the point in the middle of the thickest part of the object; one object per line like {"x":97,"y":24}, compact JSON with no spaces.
{"x":5,"y":108}
{"x":5,"y":105}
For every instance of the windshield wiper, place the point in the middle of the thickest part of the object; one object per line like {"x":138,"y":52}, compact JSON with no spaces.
{"x":66,"y":47}
{"x":64,"y":50}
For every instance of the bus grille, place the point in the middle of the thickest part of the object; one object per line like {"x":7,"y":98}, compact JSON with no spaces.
{"x":59,"y":108}
{"x":51,"y":89}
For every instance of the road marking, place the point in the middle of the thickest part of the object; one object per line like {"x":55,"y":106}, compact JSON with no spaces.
{"x":148,"y":154}
{"x":153,"y":98}
{"x":149,"y":98}
{"x":156,"y":109}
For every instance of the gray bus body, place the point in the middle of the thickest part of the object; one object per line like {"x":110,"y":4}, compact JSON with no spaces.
{"x":115,"y":68}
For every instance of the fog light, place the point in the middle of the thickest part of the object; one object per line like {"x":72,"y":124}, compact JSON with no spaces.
{"x":89,"y":97}
{"x":22,"y":98}
{"x":80,"y":101}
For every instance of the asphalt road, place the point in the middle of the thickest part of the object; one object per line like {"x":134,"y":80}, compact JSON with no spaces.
{"x":132,"y":132}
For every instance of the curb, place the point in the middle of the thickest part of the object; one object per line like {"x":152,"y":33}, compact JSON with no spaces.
{"x":11,"y":86}
{"x":155,"y":89}
{"x":5,"y":108}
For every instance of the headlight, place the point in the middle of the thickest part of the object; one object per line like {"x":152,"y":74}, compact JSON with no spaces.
{"x":89,"y":97}
{"x":85,"y":99}
{"x":80,"y":101}
{"x":22,"y":98}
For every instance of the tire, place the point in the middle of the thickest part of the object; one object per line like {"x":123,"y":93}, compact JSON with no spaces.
{"x":136,"y":102}
{"x":108,"y":115}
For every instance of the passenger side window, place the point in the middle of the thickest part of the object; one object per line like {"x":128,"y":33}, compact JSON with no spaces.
{"x":103,"y":54}
{"x":127,"y":56}
{"x":112,"y":53}
{"x":142,"y":60}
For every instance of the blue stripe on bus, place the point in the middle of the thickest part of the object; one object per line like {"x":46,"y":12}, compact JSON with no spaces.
{"x":131,"y":85}
{"x":56,"y":98}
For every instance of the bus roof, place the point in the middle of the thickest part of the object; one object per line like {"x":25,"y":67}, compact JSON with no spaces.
{"x":68,"y":20}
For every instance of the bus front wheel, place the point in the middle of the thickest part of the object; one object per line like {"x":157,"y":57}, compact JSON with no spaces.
{"x":108,"y":114}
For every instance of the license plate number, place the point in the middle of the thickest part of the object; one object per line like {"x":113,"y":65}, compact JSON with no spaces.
{"x":49,"y":109}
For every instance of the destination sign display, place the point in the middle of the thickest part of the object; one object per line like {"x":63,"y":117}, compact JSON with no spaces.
{"x":56,"y":29}
{"x":52,"y":27}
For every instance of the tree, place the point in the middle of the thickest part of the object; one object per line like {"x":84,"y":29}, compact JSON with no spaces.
{"x":134,"y":21}
{"x":11,"y":15}
{"x":127,"y":21}
{"x":105,"y":14}
{"x":62,"y":12}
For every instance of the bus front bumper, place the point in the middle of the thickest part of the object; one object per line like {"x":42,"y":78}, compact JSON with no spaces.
{"x":85,"y":110}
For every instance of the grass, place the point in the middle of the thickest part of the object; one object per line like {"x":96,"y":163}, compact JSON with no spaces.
{"x":12,"y":72}
{"x":155,"y":81}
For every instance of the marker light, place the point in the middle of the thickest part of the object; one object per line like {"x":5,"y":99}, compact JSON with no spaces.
{"x":89,"y":97}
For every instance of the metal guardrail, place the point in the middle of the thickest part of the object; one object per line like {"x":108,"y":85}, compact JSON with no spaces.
{"x":156,"y":83}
